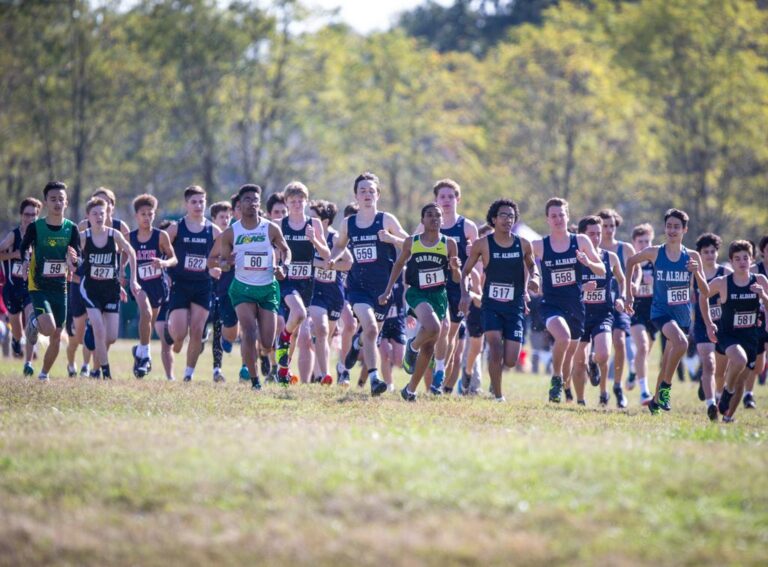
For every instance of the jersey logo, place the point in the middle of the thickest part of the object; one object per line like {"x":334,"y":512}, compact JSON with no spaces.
{"x":249,"y":238}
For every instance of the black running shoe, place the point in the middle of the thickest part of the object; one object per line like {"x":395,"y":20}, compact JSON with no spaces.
{"x":725,"y":402}
{"x":621,"y":399}
{"x":700,"y":391}
{"x":556,"y":389}
{"x":653,"y":407}
{"x":604,"y":397}
{"x":406,"y":395}
{"x":749,"y":401}
{"x":255,"y":384}
{"x":581,"y":403}
{"x":665,"y":394}
{"x":631,"y":381}
{"x":187,"y":378}
{"x":712,"y":412}
{"x":378,"y":387}
{"x":266,"y":366}
{"x":354,"y":351}
{"x":568,"y":395}
{"x":16,"y":348}
{"x":594,"y":373}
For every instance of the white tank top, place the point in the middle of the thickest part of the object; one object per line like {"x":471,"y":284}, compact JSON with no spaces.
{"x":253,"y":254}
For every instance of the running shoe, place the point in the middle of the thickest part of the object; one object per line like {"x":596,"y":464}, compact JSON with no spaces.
{"x":266,"y":366}
{"x":594,"y":372}
{"x":700,"y":392}
{"x":604,"y":397}
{"x":645,"y":398}
{"x":16,"y":348}
{"x":631,"y":381}
{"x":71,"y":371}
{"x":28,"y":370}
{"x":568,"y":394}
{"x":712,"y":412}
{"x":327,"y":380}
{"x":556,"y":389}
{"x":354,"y":350}
{"x":407,"y":395}
{"x":378,"y":387}
{"x":749,"y":401}
{"x":244,"y":374}
{"x":409,"y":357}
{"x":621,"y":400}
{"x":437,"y":382}
{"x":665,"y":393}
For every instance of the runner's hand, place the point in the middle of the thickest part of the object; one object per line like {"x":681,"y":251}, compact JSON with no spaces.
{"x":135,"y":288}
{"x":591,"y":285}
{"x":310,"y":232}
{"x":619,"y":306}
{"x":385,"y":237}
{"x":582,"y":258}
{"x":712,"y":333}
{"x":123,"y":295}
{"x":384,"y":297}
{"x":692,"y":266}
{"x":464,"y":303}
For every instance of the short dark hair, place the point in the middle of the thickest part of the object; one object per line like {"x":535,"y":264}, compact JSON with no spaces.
{"x":193,"y":190}
{"x":164,"y":224}
{"x":428,"y":206}
{"x":588,"y":221}
{"x":220,"y":207}
{"x":110,"y":195}
{"x":30,"y":202}
{"x":325,"y":210}
{"x":606,"y":214}
{"x":493,"y":210}
{"x":273,"y":200}
{"x":53,"y":186}
{"x":763,"y":243}
{"x":351,"y":209}
{"x":145,"y":200}
{"x":94,"y":202}
{"x":248,"y":188}
{"x":554,"y":202}
{"x":678,"y":214}
{"x":708,"y":239}
{"x":740,"y":246}
{"x":367,"y":176}
{"x":234,"y":200}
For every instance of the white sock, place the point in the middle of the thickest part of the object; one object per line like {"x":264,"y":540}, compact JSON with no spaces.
{"x":189,"y":371}
{"x":439,"y":365}
{"x":643,"y":385}
{"x":710,"y":402}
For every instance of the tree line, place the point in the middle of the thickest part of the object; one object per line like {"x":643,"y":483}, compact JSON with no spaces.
{"x":636,"y":105}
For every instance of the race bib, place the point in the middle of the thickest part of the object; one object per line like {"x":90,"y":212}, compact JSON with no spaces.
{"x":431,"y":278}
{"x":563,"y":277}
{"x":715,"y":312}
{"x":149,"y":272}
{"x":194,"y":263}
{"x":365,"y":253}
{"x":595,"y":296}
{"x":744,"y":320}
{"x":299,"y":271}
{"x":54,"y":268}
{"x":255,"y":261}
{"x":325,"y":276}
{"x":17,"y":269}
{"x":501,"y":292}
{"x":102,"y":272}
{"x":678,"y":296}
{"x":644,"y":290}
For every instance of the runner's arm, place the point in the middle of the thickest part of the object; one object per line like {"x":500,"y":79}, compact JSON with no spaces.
{"x":397,"y":267}
{"x":167,"y":249}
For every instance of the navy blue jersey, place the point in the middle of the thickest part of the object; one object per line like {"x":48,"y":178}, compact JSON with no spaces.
{"x":561,"y":275}
{"x":599,"y":302}
{"x":151,"y":279}
{"x":302,"y":250}
{"x":192,"y":249}
{"x":13,"y":268}
{"x":714,"y":302}
{"x":741,"y":309}
{"x":504,"y":275}
{"x":671,"y":288}
{"x":373,"y":258}
{"x":100,"y":265}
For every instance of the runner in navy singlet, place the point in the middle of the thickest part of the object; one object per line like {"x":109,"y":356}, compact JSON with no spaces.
{"x":760,"y":267}
{"x":372,"y":237}
{"x":642,"y":329}
{"x":192,"y":238}
{"x":154,"y":255}
{"x":305,"y":238}
{"x":742,"y":296}
{"x":509,"y":267}
{"x":674,"y":268}
{"x":562,"y":256}
{"x":712,"y":363}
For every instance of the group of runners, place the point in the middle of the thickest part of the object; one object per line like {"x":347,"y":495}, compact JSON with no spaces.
{"x":283,"y":281}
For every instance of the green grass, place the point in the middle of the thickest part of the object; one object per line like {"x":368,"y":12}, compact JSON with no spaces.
{"x":158,"y":473}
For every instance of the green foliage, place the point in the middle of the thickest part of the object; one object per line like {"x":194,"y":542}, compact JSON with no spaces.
{"x":635,"y":105}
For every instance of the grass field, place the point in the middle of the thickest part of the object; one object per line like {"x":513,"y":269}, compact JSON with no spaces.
{"x":155,"y":473}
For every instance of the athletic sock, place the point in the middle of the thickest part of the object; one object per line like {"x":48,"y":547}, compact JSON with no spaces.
{"x":710,"y":402}
{"x":189,"y":371}
{"x":439,"y":365}
{"x":105,"y":371}
{"x":643,"y":382}
{"x":373,"y":374}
